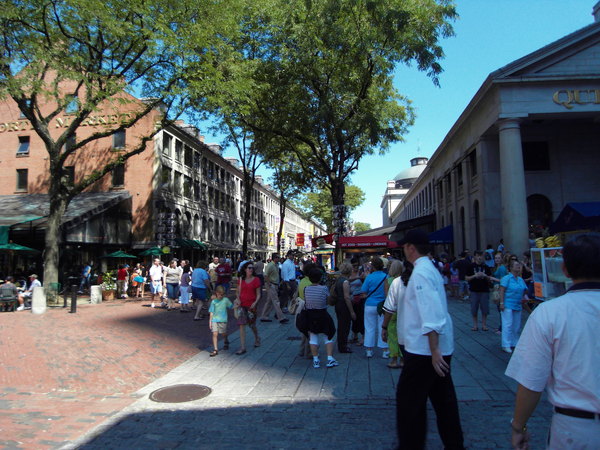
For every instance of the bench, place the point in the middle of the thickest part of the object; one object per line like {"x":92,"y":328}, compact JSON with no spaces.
{"x":10,"y":302}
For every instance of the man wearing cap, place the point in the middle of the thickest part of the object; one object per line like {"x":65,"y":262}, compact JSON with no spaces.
{"x":26,"y":295}
{"x":428,"y":339}
{"x":558,"y":350}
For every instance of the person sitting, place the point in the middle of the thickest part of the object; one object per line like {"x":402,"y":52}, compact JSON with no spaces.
{"x":25,"y":296}
{"x":8,"y":291}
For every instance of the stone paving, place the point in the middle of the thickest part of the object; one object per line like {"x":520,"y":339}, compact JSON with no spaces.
{"x":272,"y":398}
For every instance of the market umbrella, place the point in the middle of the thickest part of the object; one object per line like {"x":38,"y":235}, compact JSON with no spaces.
{"x":12,"y":247}
{"x":151,"y":252}
{"x":119,"y":254}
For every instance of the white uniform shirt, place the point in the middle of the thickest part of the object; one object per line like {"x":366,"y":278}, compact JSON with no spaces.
{"x":559,"y":349}
{"x":426,"y":310}
{"x":394,"y":303}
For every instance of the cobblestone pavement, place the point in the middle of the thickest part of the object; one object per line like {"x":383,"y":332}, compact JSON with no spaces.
{"x":82,"y":380}
{"x":62,"y":374}
{"x":272,"y":398}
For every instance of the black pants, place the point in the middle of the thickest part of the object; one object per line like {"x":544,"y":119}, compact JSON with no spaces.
{"x":419,"y":381}
{"x":288,"y":288}
{"x":343,"y":325}
{"x":358,"y":325}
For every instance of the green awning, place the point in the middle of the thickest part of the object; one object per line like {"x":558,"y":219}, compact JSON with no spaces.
{"x":119,"y":254}
{"x":4,"y":235}
{"x":191,"y":243}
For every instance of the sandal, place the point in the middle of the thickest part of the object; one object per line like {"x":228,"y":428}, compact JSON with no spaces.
{"x":485,"y":329}
{"x":257,"y":343}
{"x":240,"y":352}
{"x":394,"y":366}
{"x":474,"y":329}
{"x":214,"y":353}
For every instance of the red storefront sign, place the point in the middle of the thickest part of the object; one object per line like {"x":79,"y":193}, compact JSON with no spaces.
{"x":366,"y":242}
{"x":299,"y":239}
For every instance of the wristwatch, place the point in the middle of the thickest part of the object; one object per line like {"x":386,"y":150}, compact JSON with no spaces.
{"x":517,"y":429}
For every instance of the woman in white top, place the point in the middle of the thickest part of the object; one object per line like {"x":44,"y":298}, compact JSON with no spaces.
{"x":172,"y":277}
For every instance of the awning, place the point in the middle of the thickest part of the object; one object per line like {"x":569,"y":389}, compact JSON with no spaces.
{"x":425,"y":222}
{"x":34,"y":208}
{"x":191,"y":243}
{"x":325,"y":239}
{"x":365,"y":242}
{"x":576,"y":217}
{"x":442,"y":236}
{"x":377,"y":231}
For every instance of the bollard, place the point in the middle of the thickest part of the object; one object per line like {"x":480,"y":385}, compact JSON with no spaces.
{"x":38,"y":301}
{"x":73,"y":299}
{"x":66,"y":298}
{"x":95,"y":295}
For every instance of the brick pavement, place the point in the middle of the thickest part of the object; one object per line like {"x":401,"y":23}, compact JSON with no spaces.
{"x":63,"y":374}
{"x":272,"y":398}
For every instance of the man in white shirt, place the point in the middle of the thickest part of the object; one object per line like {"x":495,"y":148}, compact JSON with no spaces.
{"x":425,"y":327}
{"x":156,"y":282}
{"x":26,"y":296}
{"x":288,"y":278}
{"x":558,"y":350}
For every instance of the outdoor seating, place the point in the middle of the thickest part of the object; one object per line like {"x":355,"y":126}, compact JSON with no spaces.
{"x":8,"y":303}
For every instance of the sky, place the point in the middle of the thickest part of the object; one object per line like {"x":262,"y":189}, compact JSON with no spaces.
{"x":489,"y":34}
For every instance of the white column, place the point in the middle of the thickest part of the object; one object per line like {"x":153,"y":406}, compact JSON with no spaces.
{"x":512,"y":187}
{"x":38,"y":301}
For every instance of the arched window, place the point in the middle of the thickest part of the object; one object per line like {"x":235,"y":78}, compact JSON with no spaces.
{"x":211,"y":229}
{"x":539,"y":210}
{"x":197,"y":231}
{"x":222,"y":234}
{"x":204,"y":231}
{"x":178,"y":223}
{"x":216,"y":230}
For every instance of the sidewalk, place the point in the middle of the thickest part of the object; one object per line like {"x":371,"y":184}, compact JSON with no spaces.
{"x":270,"y":397}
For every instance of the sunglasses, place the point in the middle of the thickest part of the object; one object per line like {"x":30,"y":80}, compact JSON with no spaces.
{"x":251,"y":267}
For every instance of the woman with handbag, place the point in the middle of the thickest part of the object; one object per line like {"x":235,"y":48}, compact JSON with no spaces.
{"x":344,"y":310}
{"x":373,"y":290}
{"x":249,"y":292}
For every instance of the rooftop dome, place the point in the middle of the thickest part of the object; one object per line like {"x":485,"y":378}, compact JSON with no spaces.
{"x":417,"y":166}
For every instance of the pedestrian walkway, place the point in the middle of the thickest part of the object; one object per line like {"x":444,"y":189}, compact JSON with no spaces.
{"x":271,"y":397}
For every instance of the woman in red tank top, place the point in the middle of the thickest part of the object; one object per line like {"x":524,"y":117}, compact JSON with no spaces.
{"x":249,"y":292}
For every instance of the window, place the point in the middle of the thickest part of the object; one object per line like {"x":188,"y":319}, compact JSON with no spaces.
{"x":178,"y":150}
{"x":166,"y":178}
{"x":473,"y":163}
{"x":449,"y":182}
{"x":187,"y":187}
{"x":73,"y":105}
{"x":459,"y":174}
{"x":22,"y":180}
{"x":118,"y":175}
{"x":119,"y":140}
{"x":197,"y":191}
{"x":536,"y":156}
{"x":196,"y":161}
{"x":166,"y":146}
{"x":69,"y":175}
{"x":188,"y":156}
{"x":23,"y":148}
{"x":177,"y":183}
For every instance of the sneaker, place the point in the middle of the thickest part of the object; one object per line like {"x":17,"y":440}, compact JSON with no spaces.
{"x":282,"y":321}
{"x":21,"y":308}
{"x":386,"y":355}
{"x":152,"y":305}
{"x":369,"y":353}
{"x":506,"y":350}
{"x":332,"y":363}
{"x":285,"y":311}
{"x":316,"y":363}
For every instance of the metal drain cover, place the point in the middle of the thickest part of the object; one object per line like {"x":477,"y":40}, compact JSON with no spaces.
{"x":180,"y":393}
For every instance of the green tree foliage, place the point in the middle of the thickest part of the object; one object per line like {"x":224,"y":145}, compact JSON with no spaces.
{"x":318,"y":205}
{"x":320,"y":75}
{"x":82,"y":54}
{"x":359,"y":227}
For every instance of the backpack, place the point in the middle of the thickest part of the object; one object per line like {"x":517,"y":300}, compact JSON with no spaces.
{"x":332,"y":298}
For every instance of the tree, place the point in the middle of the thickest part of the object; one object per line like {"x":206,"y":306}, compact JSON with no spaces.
{"x":75,"y":57}
{"x":322,"y":77}
{"x":359,"y":227}
{"x":317,"y":204}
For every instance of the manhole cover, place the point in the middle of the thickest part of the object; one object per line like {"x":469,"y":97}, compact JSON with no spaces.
{"x":294,"y":338}
{"x":180,"y":393}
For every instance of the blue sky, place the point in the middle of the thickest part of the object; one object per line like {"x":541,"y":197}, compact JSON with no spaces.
{"x":488,"y":35}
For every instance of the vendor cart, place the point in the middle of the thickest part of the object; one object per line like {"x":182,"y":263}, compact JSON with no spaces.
{"x":549,"y":281}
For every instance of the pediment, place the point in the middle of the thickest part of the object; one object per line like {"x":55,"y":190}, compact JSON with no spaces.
{"x":575,"y":55}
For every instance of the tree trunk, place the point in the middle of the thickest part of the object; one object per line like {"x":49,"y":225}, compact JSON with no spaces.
{"x":338,"y":193}
{"x":282,"y":205}
{"x":58,"y":206}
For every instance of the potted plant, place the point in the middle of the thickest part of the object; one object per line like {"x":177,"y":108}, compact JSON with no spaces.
{"x":108,"y":285}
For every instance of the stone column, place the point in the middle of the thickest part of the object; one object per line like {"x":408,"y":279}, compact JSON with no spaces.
{"x":512,"y":187}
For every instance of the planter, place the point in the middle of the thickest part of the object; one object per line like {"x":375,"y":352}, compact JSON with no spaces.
{"x":109,"y":295}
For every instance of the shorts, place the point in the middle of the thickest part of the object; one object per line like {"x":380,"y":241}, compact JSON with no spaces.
{"x":173,"y":290}
{"x":156,"y":287}
{"x":198,"y":293}
{"x":219,"y":327}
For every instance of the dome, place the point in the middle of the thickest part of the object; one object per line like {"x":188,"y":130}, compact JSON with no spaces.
{"x":417,"y":166}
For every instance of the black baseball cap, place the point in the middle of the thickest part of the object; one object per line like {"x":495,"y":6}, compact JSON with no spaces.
{"x":415,"y":236}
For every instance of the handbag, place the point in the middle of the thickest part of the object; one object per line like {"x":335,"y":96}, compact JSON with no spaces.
{"x":495,"y":294}
{"x":294,"y":303}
